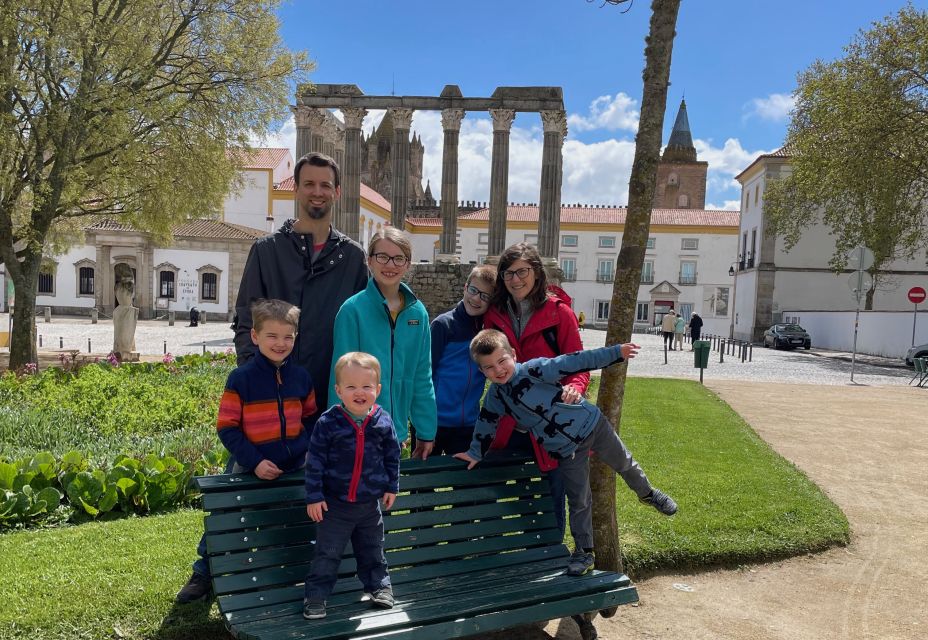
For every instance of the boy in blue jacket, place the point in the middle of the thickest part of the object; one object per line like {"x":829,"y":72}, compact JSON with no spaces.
{"x":265,"y":414}
{"x":458,"y":380}
{"x":530,"y":393}
{"x":353,"y":462}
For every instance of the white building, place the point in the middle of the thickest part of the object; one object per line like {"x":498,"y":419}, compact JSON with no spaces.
{"x":774,"y":285}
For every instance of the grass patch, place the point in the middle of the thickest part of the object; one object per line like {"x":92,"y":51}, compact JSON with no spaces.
{"x":739,"y":502}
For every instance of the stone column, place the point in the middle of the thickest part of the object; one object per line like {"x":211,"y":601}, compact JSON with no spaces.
{"x":552,"y":169}
{"x":402,"y":119}
{"x":499,"y":182}
{"x":351,"y":171}
{"x":103,"y":277}
{"x":451,"y":124}
{"x":307,"y":124}
{"x":338,"y":209}
{"x":328,"y":137}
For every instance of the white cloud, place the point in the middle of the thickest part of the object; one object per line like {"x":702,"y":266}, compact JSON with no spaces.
{"x":609,"y":113}
{"x":285,"y":137}
{"x":729,"y":205}
{"x":776,"y":107}
{"x":594,"y":173}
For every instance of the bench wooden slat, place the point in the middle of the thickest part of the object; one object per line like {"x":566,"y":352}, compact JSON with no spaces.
{"x":448,"y":607}
{"x":558,"y":553}
{"x":252,"y":560}
{"x":347,"y":599}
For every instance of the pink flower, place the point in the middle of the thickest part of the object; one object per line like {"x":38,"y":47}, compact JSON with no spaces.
{"x":168,"y":358}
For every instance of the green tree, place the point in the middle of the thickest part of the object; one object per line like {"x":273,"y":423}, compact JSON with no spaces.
{"x":127,"y":109}
{"x":656,"y":76}
{"x":858,"y":141}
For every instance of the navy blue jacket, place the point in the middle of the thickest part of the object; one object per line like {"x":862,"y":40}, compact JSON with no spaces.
{"x":351,"y":462}
{"x":457,"y":379}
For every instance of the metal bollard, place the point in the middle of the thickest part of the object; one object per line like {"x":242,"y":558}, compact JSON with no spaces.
{"x":204,"y":346}
{"x":40,"y":341}
{"x":750,"y":351}
{"x":165,"y":347}
{"x":88,"y":345}
{"x":722,"y":350}
{"x":744,"y":351}
{"x":61,"y":342}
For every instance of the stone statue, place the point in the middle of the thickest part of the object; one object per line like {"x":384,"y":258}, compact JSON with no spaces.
{"x":125,"y":316}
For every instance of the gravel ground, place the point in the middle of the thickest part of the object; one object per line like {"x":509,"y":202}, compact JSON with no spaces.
{"x":768,"y":365}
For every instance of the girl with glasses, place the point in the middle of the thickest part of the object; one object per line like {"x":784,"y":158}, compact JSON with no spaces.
{"x":388,"y":321}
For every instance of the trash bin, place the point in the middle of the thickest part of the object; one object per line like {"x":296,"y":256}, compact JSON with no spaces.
{"x":701,"y":352}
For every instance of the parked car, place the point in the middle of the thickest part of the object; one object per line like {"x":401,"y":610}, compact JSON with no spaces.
{"x":918,"y":351}
{"x":787,"y":336}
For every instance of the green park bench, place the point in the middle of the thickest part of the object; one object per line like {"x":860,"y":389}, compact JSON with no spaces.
{"x":469,"y":552}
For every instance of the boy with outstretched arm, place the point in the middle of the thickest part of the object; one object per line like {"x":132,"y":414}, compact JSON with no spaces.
{"x":530,"y":393}
{"x":353,"y":462}
{"x":265,"y":414}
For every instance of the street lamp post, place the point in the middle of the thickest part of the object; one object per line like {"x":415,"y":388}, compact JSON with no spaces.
{"x":734,"y":293}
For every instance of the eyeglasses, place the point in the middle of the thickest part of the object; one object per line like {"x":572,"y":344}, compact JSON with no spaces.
{"x":474,"y":291}
{"x":521,"y":273}
{"x":383,"y":258}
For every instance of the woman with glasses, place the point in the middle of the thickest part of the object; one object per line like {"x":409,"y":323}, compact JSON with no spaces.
{"x":539,"y":323}
{"x":388,"y":321}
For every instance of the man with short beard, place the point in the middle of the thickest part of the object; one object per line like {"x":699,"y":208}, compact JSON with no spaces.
{"x":311,"y":265}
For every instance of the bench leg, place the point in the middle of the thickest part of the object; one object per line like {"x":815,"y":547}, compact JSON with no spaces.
{"x":585,"y":624}
{"x":608,"y":613}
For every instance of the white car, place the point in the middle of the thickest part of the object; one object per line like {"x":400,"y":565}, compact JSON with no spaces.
{"x":918,"y":351}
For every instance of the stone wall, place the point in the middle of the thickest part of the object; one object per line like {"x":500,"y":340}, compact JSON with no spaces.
{"x":439,"y":286}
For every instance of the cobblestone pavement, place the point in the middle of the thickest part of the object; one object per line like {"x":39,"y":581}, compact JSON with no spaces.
{"x":817,"y":366}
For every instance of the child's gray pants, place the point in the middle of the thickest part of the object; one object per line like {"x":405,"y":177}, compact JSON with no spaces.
{"x":607,"y":445}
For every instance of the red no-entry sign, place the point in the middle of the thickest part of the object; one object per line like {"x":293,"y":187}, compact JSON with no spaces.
{"x":916,"y":295}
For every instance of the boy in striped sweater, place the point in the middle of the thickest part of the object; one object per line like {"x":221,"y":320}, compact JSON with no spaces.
{"x":265,"y":415}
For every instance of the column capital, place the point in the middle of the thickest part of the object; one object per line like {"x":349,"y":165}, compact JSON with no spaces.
{"x":554,"y":122}
{"x":354,"y":116}
{"x":451,"y":119}
{"x":402,"y":118}
{"x":502,"y":119}
{"x":308,"y":116}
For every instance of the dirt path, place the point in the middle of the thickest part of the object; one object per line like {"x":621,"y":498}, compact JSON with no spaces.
{"x":867,"y":447}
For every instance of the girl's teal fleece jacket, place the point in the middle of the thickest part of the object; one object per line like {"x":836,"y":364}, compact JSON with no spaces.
{"x":404,"y":350}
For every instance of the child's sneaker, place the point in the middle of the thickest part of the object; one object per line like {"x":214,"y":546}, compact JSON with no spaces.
{"x":383,"y":598}
{"x":580,"y":563}
{"x":313,"y":610}
{"x":660,"y":501}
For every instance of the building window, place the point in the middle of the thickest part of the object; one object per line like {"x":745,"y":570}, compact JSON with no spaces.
{"x":85,"y":281}
{"x":687,"y":272}
{"x":672,"y":179}
{"x":531,"y":238}
{"x":607,"y":242}
{"x":647,"y":272}
{"x":689,"y":244}
{"x":46,"y":282}
{"x":605,"y":272}
{"x":752,"y":256}
{"x":569,"y":267}
{"x":651,"y":242}
{"x":483,"y":238}
{"x":166,"y":285}
{"x":209,"y":287}
{"x":601,"y":307}
{"x":683,"y":201}
{"x":756,"y":193}
{"x":716,"y":301}
{"x":569,"y":241}
{"x":642,"y":312}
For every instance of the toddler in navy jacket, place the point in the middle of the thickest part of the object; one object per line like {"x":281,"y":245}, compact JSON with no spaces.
{"x":353,"y":462}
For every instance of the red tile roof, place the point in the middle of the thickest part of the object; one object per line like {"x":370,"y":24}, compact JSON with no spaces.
{"x":215,"y":229}
{"x":264,"y":158}
{"x":572,"y":214}
{"x":285,"y":185}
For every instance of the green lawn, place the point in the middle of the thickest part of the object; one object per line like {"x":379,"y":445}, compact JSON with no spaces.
{"x":738,"y":500}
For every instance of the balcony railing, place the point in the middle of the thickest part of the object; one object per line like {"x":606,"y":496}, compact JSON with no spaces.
{"x":570,"y":276}
{"x":686,"y":279}
{"x":647,"y":279}
{"x":605,"y":277}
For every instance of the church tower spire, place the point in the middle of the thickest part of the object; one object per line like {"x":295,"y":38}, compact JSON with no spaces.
{"x":681,"y":178}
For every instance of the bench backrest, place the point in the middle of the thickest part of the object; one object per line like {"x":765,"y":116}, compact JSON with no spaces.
{"x":260,"y":540}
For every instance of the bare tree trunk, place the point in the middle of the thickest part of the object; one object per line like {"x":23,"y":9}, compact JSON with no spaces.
{"x":659,"y":46}
{"x":25,"y":282}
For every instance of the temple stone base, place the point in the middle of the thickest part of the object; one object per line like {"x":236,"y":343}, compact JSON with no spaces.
{"x":440,"y":286}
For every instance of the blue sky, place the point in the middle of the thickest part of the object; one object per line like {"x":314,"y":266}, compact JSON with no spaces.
{"x":736,"y":61}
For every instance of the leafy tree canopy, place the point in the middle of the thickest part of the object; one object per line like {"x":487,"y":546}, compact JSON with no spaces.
{"x":858,"y":142}
{"x":126,"y":108}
